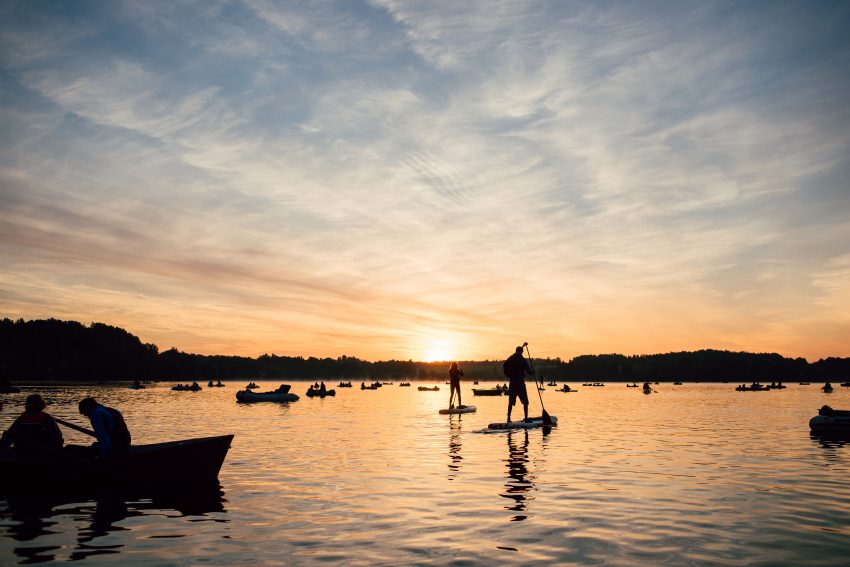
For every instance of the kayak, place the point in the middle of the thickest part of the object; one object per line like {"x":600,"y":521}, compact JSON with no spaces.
{"x":275,"y":396}
{"x":462,"y":409}
{"x":159,"y":464}
{"x":532,"y":423}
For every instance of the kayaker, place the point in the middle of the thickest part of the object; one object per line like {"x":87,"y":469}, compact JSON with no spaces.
{"x":454,"y":379}
{"x":516,"y":367}
{"x":33,"y":433}
{"x":109,"y":426}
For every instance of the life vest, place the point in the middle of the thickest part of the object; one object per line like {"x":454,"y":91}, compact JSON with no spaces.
{"x":33,"y":430}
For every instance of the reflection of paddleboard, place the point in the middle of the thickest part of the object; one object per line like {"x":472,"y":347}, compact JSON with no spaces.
{"x":467,"y":409}
{"x":531,"y":424}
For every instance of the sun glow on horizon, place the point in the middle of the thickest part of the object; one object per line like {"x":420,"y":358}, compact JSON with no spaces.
{"x":439,"y":350}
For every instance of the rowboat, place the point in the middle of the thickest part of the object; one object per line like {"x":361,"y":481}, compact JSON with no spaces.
{"x":158,"y":464}
{"x":427,"y":389}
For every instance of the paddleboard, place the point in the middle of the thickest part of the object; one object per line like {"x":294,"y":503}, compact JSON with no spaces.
{"x":467,"y":409}
{"x":533,"y":423}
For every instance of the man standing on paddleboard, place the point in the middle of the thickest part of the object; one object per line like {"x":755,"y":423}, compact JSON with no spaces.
{"x":515,"y":368}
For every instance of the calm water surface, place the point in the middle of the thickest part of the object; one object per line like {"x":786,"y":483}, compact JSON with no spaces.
{"x":692,"y":475}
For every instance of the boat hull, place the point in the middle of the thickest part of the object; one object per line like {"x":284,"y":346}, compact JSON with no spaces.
{"x":160,"y":464}
{"x":249,"y":396}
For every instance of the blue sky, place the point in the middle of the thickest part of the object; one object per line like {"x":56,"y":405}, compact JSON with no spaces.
{"x":430,"y":179}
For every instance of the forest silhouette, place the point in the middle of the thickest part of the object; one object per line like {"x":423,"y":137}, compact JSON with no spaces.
{"x":55,"y":350}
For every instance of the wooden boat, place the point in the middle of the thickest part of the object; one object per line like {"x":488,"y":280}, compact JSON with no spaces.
{"x":427,"y":389}
{"x":158,"y":464}
{"x":487,"y":391}
{"x":282,"y":394}
{"x":831,"y":422}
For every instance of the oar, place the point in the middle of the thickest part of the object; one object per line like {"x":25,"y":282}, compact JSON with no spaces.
{"x":547,"y":420}
{"x":75,"y":426}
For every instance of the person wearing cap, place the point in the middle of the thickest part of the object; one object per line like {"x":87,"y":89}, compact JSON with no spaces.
{"x":111,"y":431}
{"x":34,"y":433}
{"x":516,"y":367}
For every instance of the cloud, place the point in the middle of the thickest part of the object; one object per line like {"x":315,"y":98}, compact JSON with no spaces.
{"x":364,"y":175}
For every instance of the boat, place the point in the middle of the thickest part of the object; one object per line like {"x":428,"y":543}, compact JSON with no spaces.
{"x":566,"y":389}
{"x":531,"y":423}
{"x":427,"y":389}
{"x":370,"y":387}
{"x":158,"y":464}
{"x":344,"y":385}
{"x":251,"y":386}
{"x":632,"y":385}
{"x":218,"y":384}
{"x":755,"y":387}
{"x":845,"y":384}
{"x":193,"y":387}
{"x":677,"y":383}
{"x":487,"y":391}
{"x":830,"y":422}
{"x":282,"y":394}
{"x":314,"y":393}
{"x":404,"y":385}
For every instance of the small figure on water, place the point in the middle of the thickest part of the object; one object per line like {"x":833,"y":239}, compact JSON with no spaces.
{"x":454,"y":379}
{"x":515,"y":368}
{"x":110,"y":429}
{"x":34,"y":433}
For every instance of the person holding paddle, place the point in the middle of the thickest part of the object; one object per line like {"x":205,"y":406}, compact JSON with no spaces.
{"x":454,"y":380}
{"x":111,"y":431}
{"x":515,"y":368}
{"x":34,"y":432}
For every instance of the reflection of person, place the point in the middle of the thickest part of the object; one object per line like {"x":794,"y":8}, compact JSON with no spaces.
{"x":516,"y":368}
{"x":518,"y":483}
{"x":111,"y":431}
{"x":454,"y":379}
{"x":34,"y":432}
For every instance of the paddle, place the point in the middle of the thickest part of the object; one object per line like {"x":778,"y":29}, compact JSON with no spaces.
{"x":547,"y":420}
{"x":75,"y":426}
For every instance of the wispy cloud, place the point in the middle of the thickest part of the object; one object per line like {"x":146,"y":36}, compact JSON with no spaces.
{"x":362,"y":178}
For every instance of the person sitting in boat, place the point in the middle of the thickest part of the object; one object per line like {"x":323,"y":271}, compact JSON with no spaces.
{"x":34,"y":433}
{"x":322,"y":388}
{"x":647,"y":387}
{"x":110,"y":429}
{"x":454,"y":380}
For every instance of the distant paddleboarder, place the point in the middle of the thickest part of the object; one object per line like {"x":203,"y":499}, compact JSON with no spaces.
{"x":515,"y":368}
{"x":454,"y":379}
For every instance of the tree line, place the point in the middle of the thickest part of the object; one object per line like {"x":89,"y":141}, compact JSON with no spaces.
{"x":50,"y":349}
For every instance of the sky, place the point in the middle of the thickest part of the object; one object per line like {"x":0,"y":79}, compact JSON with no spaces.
{"x":430,"y":180}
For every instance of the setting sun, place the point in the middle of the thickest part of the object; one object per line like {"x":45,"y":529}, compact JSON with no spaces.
{"x":439,"y":350}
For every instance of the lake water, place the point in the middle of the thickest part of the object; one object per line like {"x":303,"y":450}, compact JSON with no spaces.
{"x":696,"y":474}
